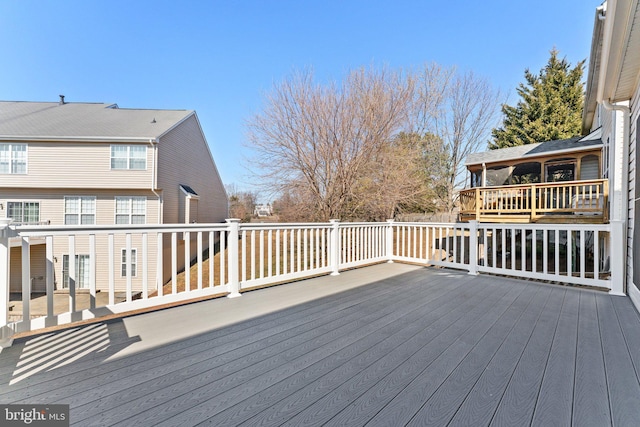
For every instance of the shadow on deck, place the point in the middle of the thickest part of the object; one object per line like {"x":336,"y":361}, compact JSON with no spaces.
{"x":390,"y":344}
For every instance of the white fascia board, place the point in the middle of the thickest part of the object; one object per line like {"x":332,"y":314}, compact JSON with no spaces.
{"x":213,"y":161}
{"x":176,"y":124}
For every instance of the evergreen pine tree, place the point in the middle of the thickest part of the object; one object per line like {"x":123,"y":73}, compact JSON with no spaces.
{"x":550,"y":107}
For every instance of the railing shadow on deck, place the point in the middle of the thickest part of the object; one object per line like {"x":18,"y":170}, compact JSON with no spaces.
{"x":44,"y":353}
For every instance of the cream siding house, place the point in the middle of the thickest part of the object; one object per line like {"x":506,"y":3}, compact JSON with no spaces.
{"x":82,"y":163}
{"x":612,"y":103}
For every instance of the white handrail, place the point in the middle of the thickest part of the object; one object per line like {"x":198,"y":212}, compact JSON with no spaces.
{"x":124,"y":265}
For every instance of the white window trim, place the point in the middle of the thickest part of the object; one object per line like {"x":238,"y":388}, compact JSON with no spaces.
{"x":64,"y":210}
{"x":26,"y":153}
{"x":65,"y":283}
{"x":130,"y":198}
{"x":128,"y":157}
{"x":124,"y":264}
{"x":39,"y":202}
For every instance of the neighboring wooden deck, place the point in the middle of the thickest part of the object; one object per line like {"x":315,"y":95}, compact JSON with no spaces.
{"x":583,"y":201}
{"x":420,"y":346}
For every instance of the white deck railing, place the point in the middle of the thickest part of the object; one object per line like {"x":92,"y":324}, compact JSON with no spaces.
{"x":245,"y":256}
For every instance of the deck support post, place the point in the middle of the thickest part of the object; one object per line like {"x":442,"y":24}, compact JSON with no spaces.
{"x":473,"y":248}
{"x":389,"y":241}
{"x":6,"y":333}
{"x":617,"y":257}
{"x":334,"y":247}
{"x":234,"y":258}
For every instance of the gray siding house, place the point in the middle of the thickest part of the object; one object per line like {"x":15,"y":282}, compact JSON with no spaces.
{"x":66,"y":163}
{"x":612,"y":104}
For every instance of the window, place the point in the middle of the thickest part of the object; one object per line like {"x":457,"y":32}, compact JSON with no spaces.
{"x":13,"y":158}
{"x":498,"y":175}
{"x":134,"y":263}
{"x":132,"y":157}
{"x":590,"y":167}
{"x":82,"y":271}
{"x":24,"y":212}
{"x":526,"y":173}
{"x":79,"y":210}
{"x":131,"y":210}
{"x":560,"y":171}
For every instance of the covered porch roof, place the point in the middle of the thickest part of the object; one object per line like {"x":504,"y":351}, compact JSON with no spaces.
{"x":536,"y":151}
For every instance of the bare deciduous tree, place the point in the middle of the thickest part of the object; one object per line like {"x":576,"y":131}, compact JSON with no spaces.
{"x":316,"y":141}
{"x":379,"y":144}
{"x":241,"y":203}
{"x":460,"y":109}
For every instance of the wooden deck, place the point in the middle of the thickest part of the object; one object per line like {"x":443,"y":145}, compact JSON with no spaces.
{"x":386,"y":345}
{"x":548,"y":202}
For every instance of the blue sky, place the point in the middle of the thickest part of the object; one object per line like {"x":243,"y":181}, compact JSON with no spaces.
{"x":220,"y":57}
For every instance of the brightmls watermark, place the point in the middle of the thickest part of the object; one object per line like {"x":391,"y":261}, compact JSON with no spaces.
{"x":34,"y":415}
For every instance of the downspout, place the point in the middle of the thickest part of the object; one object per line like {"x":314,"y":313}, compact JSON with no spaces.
{"x":154,"y":177}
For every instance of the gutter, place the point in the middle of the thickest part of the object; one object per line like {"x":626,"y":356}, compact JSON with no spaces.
{"x":607,"y":34}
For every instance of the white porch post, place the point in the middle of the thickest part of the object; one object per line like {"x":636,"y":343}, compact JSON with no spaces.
{"x":334,"y":247}
{"x":389,"y":240}
{"x":473,"y":247}
{"x":5,"y":250}
{"x":617,"y":259}
{"x":234,"y":257}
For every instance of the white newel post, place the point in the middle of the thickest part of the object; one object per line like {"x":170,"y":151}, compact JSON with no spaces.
{"x":617,"y":257}
{"x":234,"y":258}
{"x":5,"y":332}
{"x":473,"y":247}
{"x":389,"y":241}
{"x":334,"y":247}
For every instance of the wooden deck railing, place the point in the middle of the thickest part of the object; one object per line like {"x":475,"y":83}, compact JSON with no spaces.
{"x":569,"y":201}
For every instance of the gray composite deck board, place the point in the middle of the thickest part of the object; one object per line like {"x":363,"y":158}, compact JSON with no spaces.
{"x":591,"y":405}
{"x":208,"y":376}
{"x":464,"y":357}
{"x":363,"y":350}
{"x":274,"y":326}
{"x":252,"y":372}
{"x":350,"y":377}
{"x":516,"y":404}
{"x":421,"y":347}
{"x":518,"y":350}
{"x":555,"y":397}
{"x":628,"y":319}
{"x":380,"y":391}
{"x":621,"y":379}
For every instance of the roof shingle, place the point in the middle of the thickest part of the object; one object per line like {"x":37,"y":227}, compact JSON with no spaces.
{"x":90,"y":120}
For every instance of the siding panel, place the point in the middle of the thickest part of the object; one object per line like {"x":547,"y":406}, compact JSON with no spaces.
{"x":76,"y":165}
{"x":52,"y":209}
{"x":184,"y":158}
